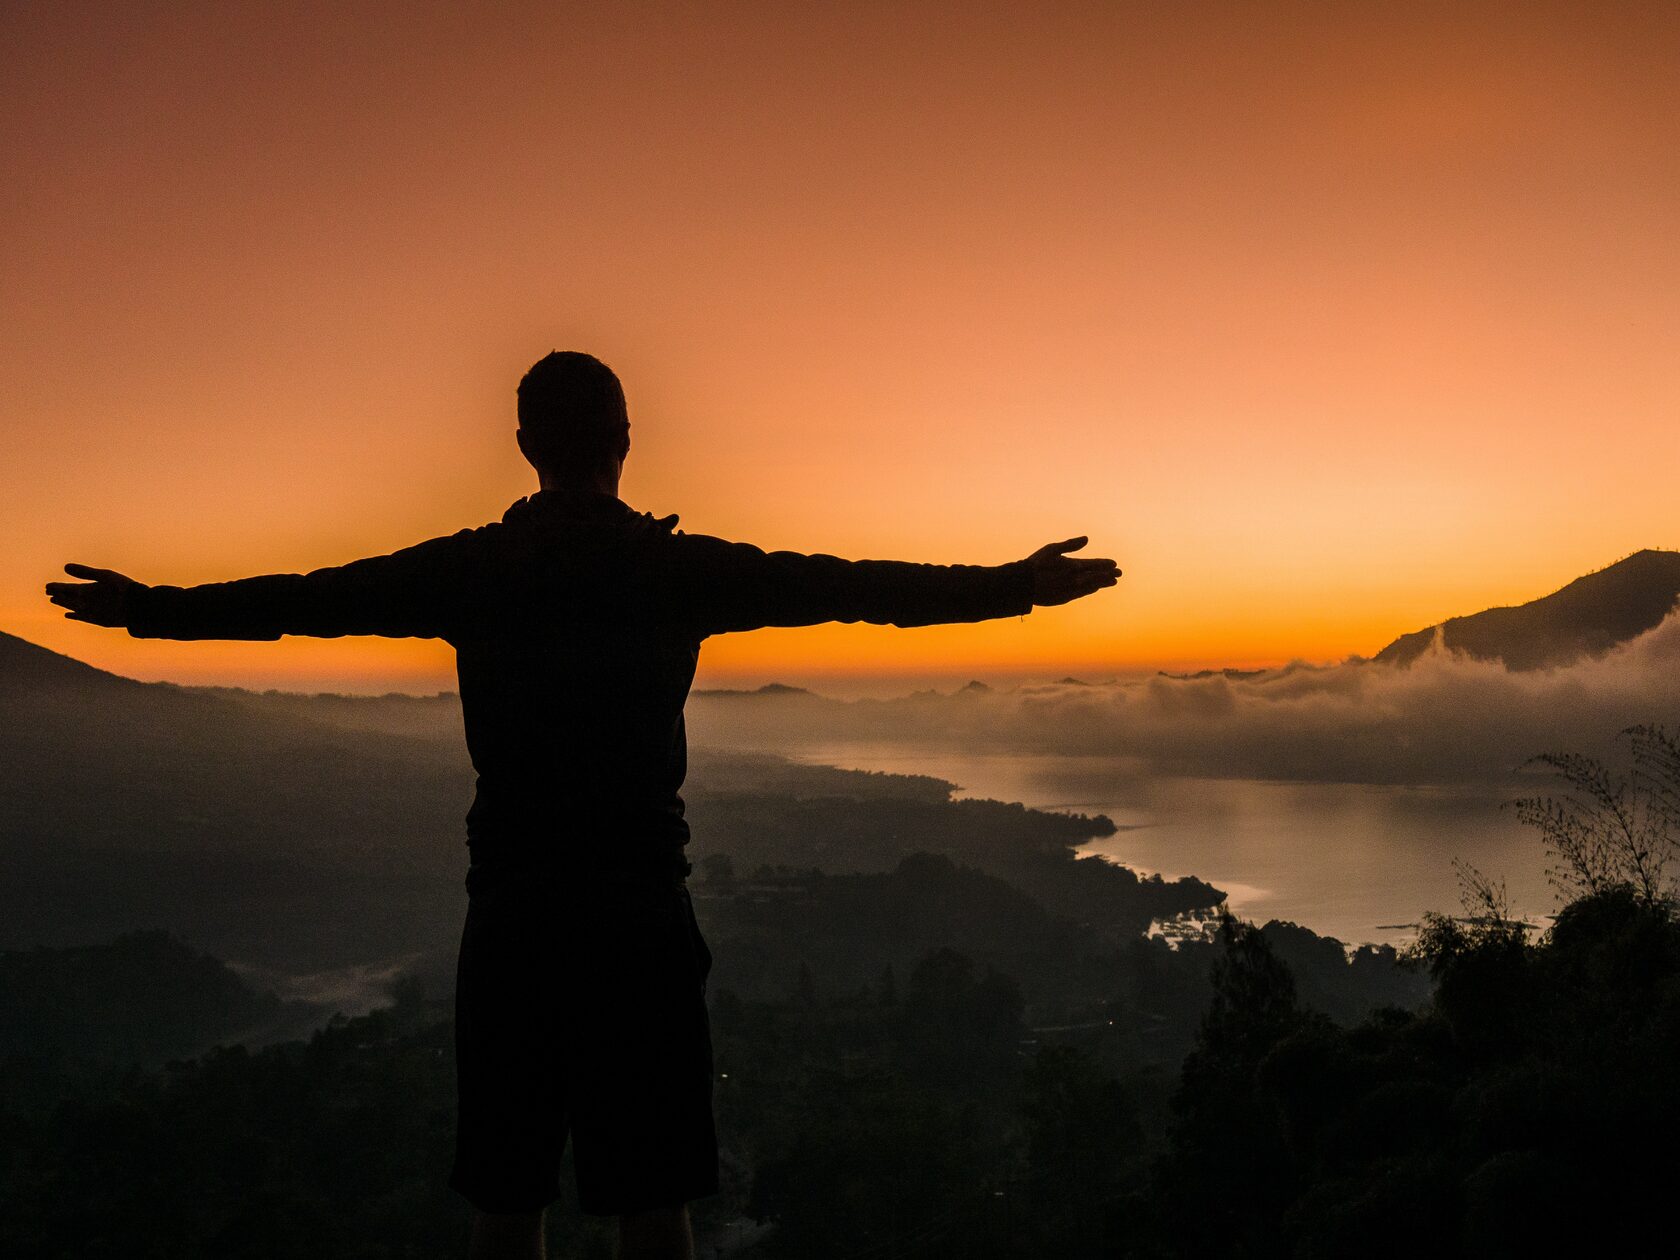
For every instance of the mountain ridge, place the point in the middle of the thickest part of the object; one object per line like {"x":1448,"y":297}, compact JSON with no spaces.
{"x":1584,"y":618}
{"x":24,"y":662}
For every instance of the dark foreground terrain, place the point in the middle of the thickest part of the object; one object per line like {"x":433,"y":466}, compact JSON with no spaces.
{"x":1206,"y":1105}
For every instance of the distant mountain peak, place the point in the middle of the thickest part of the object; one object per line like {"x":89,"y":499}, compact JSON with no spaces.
{"x":768,"y":689}
{"x":1586,"y":618}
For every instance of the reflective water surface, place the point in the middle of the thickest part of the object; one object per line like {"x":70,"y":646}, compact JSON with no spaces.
{"x":1354,"y":861}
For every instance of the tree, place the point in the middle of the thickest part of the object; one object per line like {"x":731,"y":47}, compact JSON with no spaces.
{"x":1611,"y":830}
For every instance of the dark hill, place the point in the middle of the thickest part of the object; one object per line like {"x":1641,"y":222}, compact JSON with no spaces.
{"x":92,"y":759}
{"x":435,"y":717}
{"x":144,"y":997}
{"x":257,"y":833}
{"x":1586,"y":618}
{"x":26,"y":666}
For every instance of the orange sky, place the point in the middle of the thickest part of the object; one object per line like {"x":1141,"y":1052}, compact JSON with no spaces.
{"x":1327,"y":321}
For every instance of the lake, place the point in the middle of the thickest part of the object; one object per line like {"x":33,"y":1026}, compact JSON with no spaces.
{"x":1355,"y":861}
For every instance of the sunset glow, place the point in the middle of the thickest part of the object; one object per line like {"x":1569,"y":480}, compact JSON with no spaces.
{"x":1381,"y":330}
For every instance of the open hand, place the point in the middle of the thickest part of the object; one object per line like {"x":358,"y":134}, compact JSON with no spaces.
{"x":1060,"y":579}
{"x":102,"y":600}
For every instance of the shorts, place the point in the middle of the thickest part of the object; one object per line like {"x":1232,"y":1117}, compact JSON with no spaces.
{"x":580,"y":1008}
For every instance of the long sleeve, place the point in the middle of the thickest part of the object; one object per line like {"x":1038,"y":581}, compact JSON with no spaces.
{"x":417,"y":592}
{"x":726,"y":586}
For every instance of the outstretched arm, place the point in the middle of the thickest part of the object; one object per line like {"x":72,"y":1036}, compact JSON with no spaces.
{"x":724,"y":586}
{"x":414,"y":592}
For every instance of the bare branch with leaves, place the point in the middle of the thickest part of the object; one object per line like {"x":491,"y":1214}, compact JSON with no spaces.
{"x":1610,"y":830}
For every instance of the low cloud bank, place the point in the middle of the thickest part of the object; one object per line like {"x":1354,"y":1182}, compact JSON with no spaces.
{"x":1446,"y":719}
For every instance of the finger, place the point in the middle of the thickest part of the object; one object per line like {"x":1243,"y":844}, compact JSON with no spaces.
{"x":1071,"y":544}
{"x":93,"y":574}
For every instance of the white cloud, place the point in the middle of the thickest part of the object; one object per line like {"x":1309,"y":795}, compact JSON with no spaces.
{"x":1444,"y":720}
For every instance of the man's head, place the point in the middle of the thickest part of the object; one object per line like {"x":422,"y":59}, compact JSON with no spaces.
{"x":574,"y":426}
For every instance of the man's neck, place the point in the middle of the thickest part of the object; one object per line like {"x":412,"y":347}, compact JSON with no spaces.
{"x":602,"y":483}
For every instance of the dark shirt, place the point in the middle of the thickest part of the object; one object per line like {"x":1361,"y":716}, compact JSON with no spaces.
{"x":577,"y":625}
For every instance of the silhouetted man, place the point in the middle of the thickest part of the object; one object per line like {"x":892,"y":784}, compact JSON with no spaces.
{"x":577,"y":623}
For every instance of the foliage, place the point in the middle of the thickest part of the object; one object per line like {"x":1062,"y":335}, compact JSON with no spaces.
{"x":1609,"y":829}
{"x":1531,"y":1101}
{"x":331,"y":1147}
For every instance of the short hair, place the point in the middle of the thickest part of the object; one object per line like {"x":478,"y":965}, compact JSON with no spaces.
{"x":572,"y":412}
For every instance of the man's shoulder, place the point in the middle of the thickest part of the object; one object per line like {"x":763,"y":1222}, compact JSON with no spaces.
{"x":470,"y":538}
{"x":692,"y":550}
